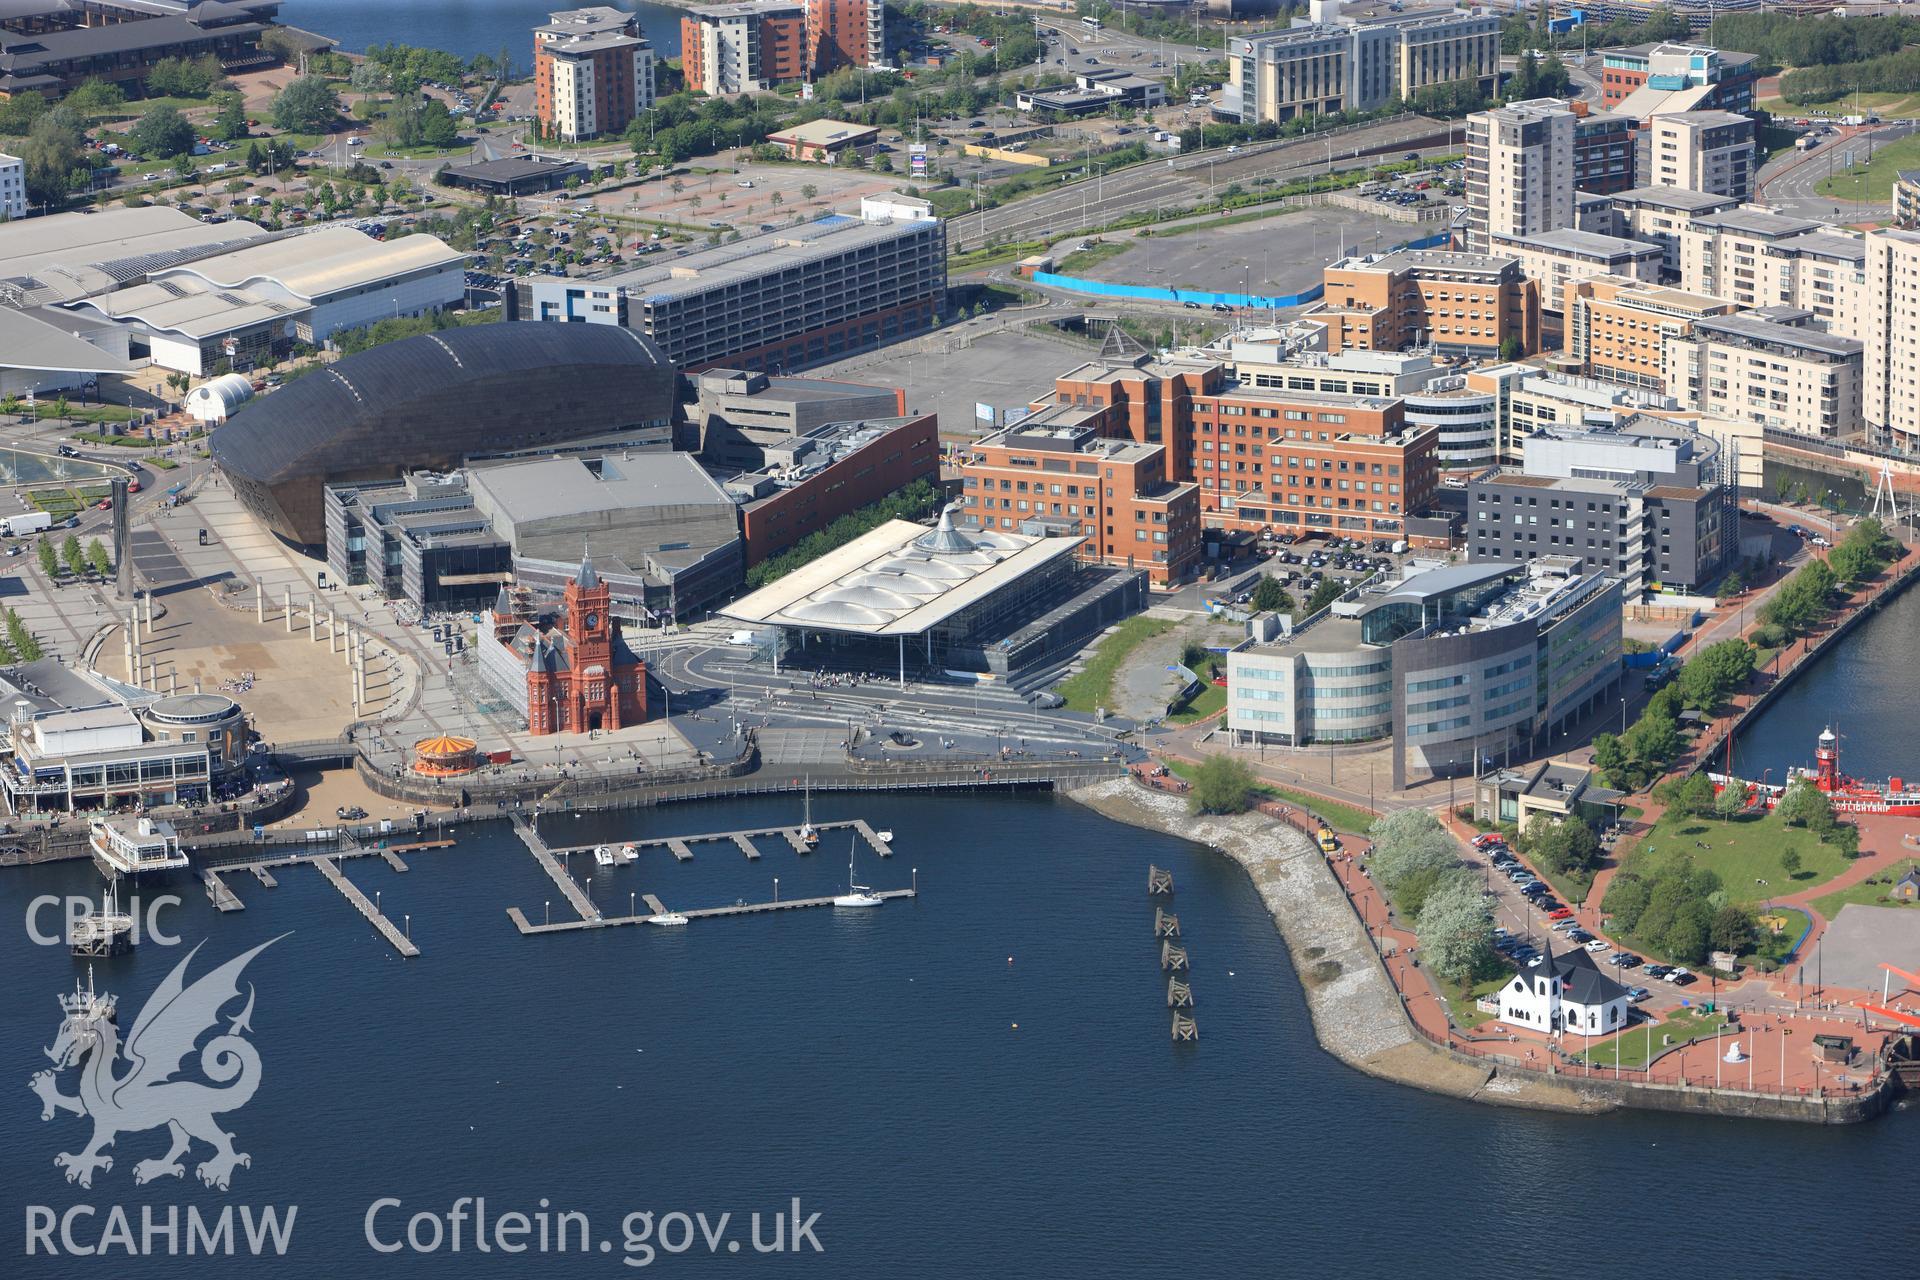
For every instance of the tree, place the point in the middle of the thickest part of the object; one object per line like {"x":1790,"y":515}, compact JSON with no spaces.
{"x":1805,"y":805}
{"x":97,"y":558}
{"x":54,"y":157}
{"x":1323,"y":595}
{"x":1790,"y":863}
{"x":1782,"y":486}
{"x":1733,"y":930}
{"x":1271,"y":597}
{"x":437,"y":125}
{"x":162,"y":133}
{"x":72,"y":556}
{"x":1715,"y":673}
{"x":1654,"y":739}
{"x":1731,"y":801}
{"x":1222,"y":784}
{"x":1455,"y":929}
{"x":231,"y":121}
{"x":1625,"y":901}
{"x":96,"y":95}
{"x":49,"y":562}
{"x":1609,"y":756}
{"x":308,"y":105}
{"x":1561,"y":844}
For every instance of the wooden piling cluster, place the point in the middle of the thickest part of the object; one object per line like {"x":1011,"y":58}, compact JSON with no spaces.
{"x":1173,"y":956}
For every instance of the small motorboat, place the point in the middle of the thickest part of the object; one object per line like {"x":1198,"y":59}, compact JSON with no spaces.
{"x":884,"y":837}
{"x":602,"y":856}
{"x":666,"y":918}
{"x":626,"y":853}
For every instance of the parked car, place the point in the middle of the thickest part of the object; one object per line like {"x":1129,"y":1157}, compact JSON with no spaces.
{"x":1682,"y":979}
{"x":1580,"y":936}
{"x":1598,"y":945}
{"x":1659,"y":970}
{"x":1636,"y":994}
{"x":1678,"y":973}
{"x":1563,"y":913}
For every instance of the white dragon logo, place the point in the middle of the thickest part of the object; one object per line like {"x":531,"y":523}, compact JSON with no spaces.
{"x":147,"y":1097}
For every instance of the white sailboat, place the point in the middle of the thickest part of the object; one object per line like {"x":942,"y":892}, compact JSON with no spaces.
{"x":857,"y":895}
{"x":807,"y":833}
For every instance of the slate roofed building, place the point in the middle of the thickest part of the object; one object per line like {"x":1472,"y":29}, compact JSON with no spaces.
{"x":1566,"y":994}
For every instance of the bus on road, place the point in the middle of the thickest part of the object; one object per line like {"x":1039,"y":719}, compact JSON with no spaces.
{"x":1091,"y":24}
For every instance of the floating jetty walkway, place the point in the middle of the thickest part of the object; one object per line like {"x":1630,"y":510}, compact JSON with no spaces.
{"x":591,"y":917}
{"x":521,"y":922}
{"x":225,"y":899}
{"x":681,"y":847}
{"x":400,"y":941}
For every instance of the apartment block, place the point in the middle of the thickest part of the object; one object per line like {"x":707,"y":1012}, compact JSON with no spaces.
{"x":742,"y":48}
{"x":1059,"y":473}
{"x":1459,"y":303}
{"x":1906,"y":197}
{"x":1520,"y":168}
{"x":1709,"y":151}
{"x":1757,"y":258}
{"x":845,"y":33}
{"x":592,"y":73}
{"x":1889,"y":322}
{"x":1648,"y":501}
{"x":1618,"y":329}
{"x":1656,"y":214}
{"x":1557,"y":258}
{"x":1770,"y":366}
{"x":1605,"y":151}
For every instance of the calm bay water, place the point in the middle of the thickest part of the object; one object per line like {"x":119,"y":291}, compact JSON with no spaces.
{"x":868,"y":1063}
{"x":465,"y":27}
{"x":1863,"y":689}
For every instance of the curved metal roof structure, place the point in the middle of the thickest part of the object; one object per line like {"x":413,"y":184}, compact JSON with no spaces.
{"x":432,"y":401}
{"x":899,"y":579}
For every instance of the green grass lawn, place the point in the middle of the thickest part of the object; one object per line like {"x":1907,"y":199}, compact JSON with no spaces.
{"x":1081,"y":259}
{"x":976,"y":259}
{"x":1888,"y":106}
{"x":1460,"y":998}
{"x":1744,"y":852}
{"x":1207,"y":702}
{"x":1868,"y":893}
{"x":1093,"y":686}
{"x":1872,"y":183}
{"x":1629,"y":1048}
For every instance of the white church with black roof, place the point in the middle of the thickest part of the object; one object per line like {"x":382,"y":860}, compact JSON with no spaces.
{"x":1564,"y":993}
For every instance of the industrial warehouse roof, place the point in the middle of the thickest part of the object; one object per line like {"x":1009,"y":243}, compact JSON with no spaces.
{"x":824,"y":133}
{"x":71,"y":255}
{"x":757,"y":257}
{"x":554,"y":487}
{"x":323,"y":263}
{"x":35,"y":339}
{"x":899,"y":579}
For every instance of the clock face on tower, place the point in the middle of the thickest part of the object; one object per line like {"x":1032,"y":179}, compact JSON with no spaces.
{"x":593,"y":620}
